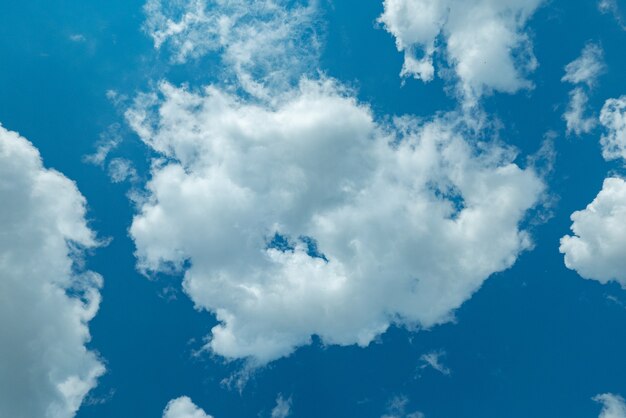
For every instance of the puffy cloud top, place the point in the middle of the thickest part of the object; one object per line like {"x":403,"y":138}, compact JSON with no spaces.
{"x":482,"y":40}
{"x":308,"y":217}
{"x":183,"y":407}
{"x":45,"y":305}
{"x":598,"y":248}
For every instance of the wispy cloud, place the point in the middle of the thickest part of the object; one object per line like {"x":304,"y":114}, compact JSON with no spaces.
{"x":434,"y":361}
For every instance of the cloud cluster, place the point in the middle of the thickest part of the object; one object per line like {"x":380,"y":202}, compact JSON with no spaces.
{"x":482,"y":40}
{"x":263,"y":42}
{"x":309,"y":217}
{"x":613,"y":406}
{"x":183,"y":407}
{"x":45,"y":302}
{"x":582,"y":72}
{"x":597,"y":250}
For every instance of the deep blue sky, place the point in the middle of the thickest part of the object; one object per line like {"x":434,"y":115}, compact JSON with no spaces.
{"x":535,"y":341}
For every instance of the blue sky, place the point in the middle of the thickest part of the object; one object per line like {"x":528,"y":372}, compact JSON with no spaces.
{"x":437,"y":203}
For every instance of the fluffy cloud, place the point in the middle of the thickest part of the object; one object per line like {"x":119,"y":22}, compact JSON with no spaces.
{"x":575,"y":115}
{"x":587,"y":68}
{"x":263,"y":43}
{"x":613,"y":406}
{"x":613,"y":118}
{"x":482,"y":40}
{"x":183,"y":407}
{"x":45,"y":303}
{"x":598,"y":248}
{"x":308,"y":217}
{"x":584,"y":70}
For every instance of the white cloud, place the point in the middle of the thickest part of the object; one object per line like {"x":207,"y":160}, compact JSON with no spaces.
{"x":613,"y":118}
{"x":583,"y":70}
{"x":613,"y":406}
{"x":433,"y":359}
{"x":45,"y":303}
{"x":183,"y":407}
{"x":121,"y":169}
{"x":597,"y":250}
{"x":411,"y":218}
{"x":587,"y":68}
{"x":264,"y":43}
{"x":482,"y":40}
{"x":282,"y":408}
{"x":576,"y":120}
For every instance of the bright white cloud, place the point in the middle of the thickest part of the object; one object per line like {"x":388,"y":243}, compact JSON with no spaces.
{"x":597,"y":250}
{"x":282,"y":408}
{"x":575,"y":117}
{"x":45,"y":303}
{"x":408,"y":219}
{"x":264,"y":42}
{"x":613,"y":118}
{"x":183,"y":407}
{"x":613,"y":406}
{"x":587,"y":68}
{"x":482,"y":40}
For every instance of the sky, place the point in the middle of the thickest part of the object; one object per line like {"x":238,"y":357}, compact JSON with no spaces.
{"x":305,"y":208}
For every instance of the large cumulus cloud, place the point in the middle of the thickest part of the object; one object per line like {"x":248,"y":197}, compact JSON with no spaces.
{"x":597,"y":250}
{"x":309,"y":217}
{"x":45,"y":303}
